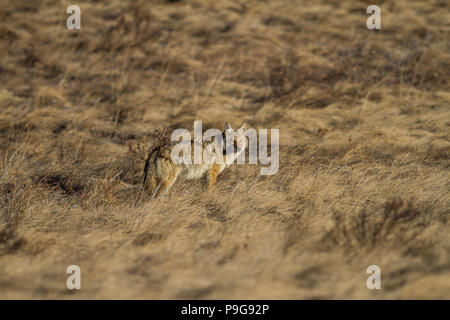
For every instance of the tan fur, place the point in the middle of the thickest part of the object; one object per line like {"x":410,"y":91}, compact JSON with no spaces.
{"x":213,"y":173}
{"x":160,"y":172}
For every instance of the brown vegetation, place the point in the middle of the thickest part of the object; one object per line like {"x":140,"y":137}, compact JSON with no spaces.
{"x":364,"y":149}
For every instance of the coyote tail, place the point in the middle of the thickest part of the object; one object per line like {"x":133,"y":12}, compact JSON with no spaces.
{"x":149,"y":181}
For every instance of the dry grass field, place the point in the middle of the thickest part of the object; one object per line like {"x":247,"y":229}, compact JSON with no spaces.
{"x":364,"y":119}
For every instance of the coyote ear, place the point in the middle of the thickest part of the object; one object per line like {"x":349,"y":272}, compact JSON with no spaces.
{"x":243,"y":126}
{"x":227,"y":126}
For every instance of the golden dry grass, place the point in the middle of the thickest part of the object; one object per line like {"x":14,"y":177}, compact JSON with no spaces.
{"x":364,"y":149}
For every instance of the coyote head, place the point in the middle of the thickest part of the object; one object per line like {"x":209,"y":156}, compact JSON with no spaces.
{"x":232,"y":137}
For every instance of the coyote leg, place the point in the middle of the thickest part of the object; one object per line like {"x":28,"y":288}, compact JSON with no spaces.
{"x":166,"y":183}
{"x":212,"y":174}
{"x":156,"y":190}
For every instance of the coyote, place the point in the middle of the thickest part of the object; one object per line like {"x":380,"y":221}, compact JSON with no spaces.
{"x":160,"y":171}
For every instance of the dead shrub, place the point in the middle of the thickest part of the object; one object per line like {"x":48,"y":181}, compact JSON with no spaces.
{"x":15,"y":199}
{"x":398,"y":226}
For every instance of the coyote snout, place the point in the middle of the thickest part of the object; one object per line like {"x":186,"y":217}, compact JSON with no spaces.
{"x":164,"y":165}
